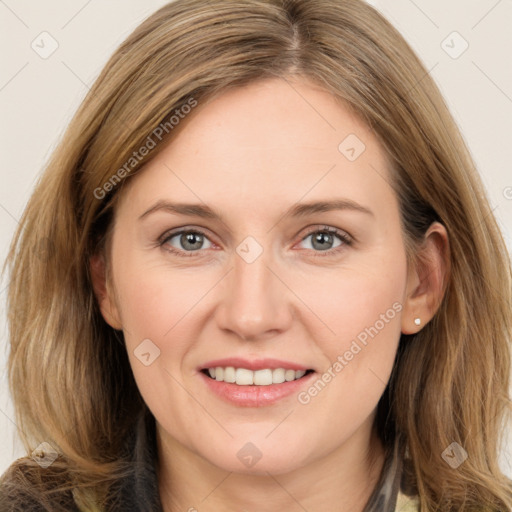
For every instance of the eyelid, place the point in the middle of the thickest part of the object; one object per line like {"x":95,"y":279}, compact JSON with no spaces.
{"x":346,"y":239}
{"x":171,"y":233}
{"x":329,"y":229}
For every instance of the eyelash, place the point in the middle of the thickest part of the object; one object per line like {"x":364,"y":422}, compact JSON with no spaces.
{"x":346,"y":239}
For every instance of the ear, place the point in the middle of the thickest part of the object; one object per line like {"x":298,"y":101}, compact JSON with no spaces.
{"x":426,"y":283}
{"x":103,"y":291}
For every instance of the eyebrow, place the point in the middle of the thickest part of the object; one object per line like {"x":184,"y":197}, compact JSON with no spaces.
{"x":297,"y":210}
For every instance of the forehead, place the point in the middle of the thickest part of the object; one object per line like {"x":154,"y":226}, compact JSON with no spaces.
{"x":278,"y":116}
{"x":275,"y":140}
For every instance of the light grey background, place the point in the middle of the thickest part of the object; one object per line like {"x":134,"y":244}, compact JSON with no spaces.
{"x":39,"y":95}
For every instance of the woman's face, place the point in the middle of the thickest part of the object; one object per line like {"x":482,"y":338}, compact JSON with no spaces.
{"x":265,"y":237}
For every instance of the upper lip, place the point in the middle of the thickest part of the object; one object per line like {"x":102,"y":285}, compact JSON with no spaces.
{"x":254,"y":364}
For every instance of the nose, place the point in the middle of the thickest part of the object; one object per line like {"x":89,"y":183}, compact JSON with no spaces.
{"x":256,"y":303}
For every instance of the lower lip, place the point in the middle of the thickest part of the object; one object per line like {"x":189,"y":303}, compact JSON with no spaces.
{"x":255,"y":396}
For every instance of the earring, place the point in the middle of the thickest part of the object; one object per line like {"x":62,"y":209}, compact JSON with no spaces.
{"x":417,"y":321}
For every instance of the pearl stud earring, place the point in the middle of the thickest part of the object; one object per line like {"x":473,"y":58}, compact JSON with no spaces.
{"x":417,"y":321}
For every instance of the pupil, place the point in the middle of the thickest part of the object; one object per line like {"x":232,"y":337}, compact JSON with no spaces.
{"x":321,"y":238}
{"x":191,"y":240}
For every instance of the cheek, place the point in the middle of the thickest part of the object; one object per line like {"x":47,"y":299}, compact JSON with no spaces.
{"x":359,"y":357}
{"x":356,"y":301}
{"x":154,"y":299}
{"x":159,"y":305}
{"x":156,"y":304}
{"x":362,"y":309}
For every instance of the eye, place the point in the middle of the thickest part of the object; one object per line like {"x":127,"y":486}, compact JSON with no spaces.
{"x":324,"y":240}
{"x":189,"y":242}
{"x":185,"y":241}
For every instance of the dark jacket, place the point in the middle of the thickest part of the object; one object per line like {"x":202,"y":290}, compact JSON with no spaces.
{"x":21,"y":483}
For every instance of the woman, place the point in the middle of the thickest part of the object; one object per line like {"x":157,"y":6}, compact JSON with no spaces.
{"x":191,"y":340}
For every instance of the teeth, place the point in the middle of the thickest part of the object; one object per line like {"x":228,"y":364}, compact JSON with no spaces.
{"x":278,"y":376}
{"x":289,"y":375}
{"x":244,"y":377}
{"x":229,"y":374}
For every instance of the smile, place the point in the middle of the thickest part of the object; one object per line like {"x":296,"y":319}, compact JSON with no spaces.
{"x":242,"y":387}
{"x":263,"y":377}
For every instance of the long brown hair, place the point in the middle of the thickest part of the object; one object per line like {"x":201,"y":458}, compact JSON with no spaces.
{"x":69,"y":373}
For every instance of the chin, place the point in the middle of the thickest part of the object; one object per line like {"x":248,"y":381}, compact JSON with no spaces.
{"x":260,"y":457}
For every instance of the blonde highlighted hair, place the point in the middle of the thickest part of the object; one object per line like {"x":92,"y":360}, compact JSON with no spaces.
{"x":68,"y":370}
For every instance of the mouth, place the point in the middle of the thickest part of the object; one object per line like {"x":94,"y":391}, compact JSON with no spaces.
{"x":262,"y":377}
{"x":255,"y":382}
{"x":261,"y":387}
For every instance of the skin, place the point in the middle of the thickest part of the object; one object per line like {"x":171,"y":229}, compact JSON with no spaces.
{"x":250,"y":154}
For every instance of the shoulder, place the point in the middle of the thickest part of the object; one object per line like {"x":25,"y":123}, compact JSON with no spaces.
{"x":29,"y":487}
{"x":406,"y":503}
